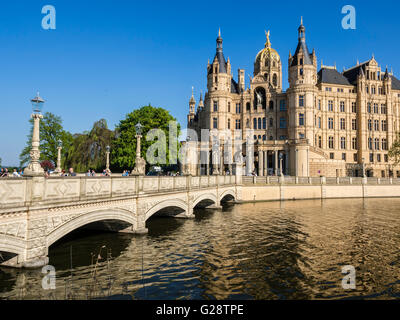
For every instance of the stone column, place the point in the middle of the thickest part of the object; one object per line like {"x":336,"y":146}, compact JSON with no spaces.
{"x":58,"y":169}
{"x":260,"y":163}
{"x":265,"y":163}
{"x":276,"y":163}
{"x":34,"y":168}
{"x":108,"y":161}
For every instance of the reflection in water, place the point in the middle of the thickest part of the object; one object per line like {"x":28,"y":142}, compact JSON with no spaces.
{"x":289,"y":250}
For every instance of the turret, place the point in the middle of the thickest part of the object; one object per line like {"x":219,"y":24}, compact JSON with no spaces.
{"x":192,"y":106}
{"x":219,"y":72}
{"x":303,"y":65}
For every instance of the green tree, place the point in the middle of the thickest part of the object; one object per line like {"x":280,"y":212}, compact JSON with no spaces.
{"x":123,"y":153}
{"x":394,"y":152}
{"x":88,"y":150}
{"x":51,"y":131}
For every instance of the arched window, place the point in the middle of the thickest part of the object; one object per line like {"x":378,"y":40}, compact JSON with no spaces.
{"x":255,"y":123}
{"x":271,"y":105}
{"x":275,"y":80}
{"x":259,"y":124}
{"x":264,"y":123}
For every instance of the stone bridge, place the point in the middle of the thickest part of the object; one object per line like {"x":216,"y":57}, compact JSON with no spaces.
{"x":36,"y":212}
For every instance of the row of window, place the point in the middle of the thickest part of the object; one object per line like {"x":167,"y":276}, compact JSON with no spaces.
{"x":376,"y":124}
{"x":329,"y":89}
{"x":271,"y":138}
{"x":355,"y":157}
{"x":282,"y":106}
{"x":373,"y":144}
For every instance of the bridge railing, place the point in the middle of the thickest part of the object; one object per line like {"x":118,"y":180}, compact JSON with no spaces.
{"x":24,"y":192}
{"x":287,"y":180}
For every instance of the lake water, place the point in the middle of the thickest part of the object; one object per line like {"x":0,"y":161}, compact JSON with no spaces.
{"x":288,"y":250}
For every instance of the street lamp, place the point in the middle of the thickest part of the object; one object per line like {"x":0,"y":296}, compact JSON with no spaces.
{"x":140,"y":163}
{"x":34,"y":168}
{"x":107,"y":158}
{"x":59,"y":148}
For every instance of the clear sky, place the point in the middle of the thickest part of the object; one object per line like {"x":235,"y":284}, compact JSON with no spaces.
{"x":106,"y":58}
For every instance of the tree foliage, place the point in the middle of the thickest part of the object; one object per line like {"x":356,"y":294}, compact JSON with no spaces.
{"x":394,"y":152}
{"x":88,"y":150}
{"x":123,"y":153}
{"x":51,"y":131}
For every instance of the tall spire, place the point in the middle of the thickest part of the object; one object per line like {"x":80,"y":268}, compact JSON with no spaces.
{"x":302,"y":31}
{"x":219,"y":41}
{"x":192,"y":100}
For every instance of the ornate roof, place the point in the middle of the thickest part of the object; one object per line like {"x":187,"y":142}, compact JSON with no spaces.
{"x":268,"y":51}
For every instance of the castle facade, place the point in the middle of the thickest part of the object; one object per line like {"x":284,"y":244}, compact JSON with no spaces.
{"x":327,"y":123}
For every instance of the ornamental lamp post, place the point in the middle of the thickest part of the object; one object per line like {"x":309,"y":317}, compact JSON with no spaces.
{"x":108,"y":158}
{"x":34,"y":168}
{"x":140,"y":163}
{"x":187,"y":157}
{"x":139,"y":129}
{"x":59,"y":148}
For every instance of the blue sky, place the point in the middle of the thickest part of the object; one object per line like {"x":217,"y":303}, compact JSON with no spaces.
{"x":107,"y":58}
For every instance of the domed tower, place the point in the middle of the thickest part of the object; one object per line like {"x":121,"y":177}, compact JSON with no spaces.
{"x":268,"y":66}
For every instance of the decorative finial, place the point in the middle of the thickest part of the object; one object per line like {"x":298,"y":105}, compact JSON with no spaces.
{"x":192,"y":90}
{"x":322,"y":64}
{"x":268,"y":43}
{"x":358,"y":62}
{"x":301,"y":20}
{"x":219,"y":32}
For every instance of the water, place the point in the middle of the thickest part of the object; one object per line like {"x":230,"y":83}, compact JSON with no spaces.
{"x":290,"y":250}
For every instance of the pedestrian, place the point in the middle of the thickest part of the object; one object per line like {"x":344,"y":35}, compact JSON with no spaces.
{"x":93,"y":173}
{"x":71,"y":172}
{"x":5,"y":173}
{"x":16,"y":174}
{"x":88,"y":174}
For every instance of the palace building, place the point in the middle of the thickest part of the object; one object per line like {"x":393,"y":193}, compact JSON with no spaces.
{"x":327,"y":123}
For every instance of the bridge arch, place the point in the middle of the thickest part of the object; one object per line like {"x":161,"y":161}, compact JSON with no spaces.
{"x":206,"y":199}
{"x":114,"y":214}
{"x":176,"y":205}
{"x":228,"y":195}
{"x":11,"y":247}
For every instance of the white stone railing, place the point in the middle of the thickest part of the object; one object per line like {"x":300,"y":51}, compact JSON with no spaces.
{"x":274,"y":180}
{"x":39,"y":191}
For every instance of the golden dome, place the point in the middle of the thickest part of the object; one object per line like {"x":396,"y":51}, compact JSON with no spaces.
{"x":268,"y":52}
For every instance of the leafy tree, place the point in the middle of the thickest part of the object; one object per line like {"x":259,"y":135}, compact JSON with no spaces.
{"x":394,"y":152}
{"x":123,"y":153}
{"x":51,"y":131}
{"x":88,"y":150}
